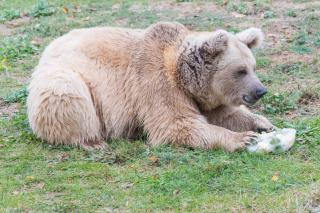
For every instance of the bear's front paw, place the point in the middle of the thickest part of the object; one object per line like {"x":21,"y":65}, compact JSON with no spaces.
{"x":240,"y":140}
{"x":261,"y":124}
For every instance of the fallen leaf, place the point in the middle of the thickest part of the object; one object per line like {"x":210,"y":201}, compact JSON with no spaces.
{"x":64,"y":156}
{"x":155,"y":177}
{"x":65,"y":10}
{"x":36,"y":41}
{"x":154,"y":159}
{"x":30,"y":178}
{"x":275,"y":176}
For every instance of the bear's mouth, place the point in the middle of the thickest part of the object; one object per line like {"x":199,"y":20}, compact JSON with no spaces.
{"x":248,"y":100}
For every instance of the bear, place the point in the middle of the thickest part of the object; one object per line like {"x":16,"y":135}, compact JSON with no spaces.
{"x":176,"y":85}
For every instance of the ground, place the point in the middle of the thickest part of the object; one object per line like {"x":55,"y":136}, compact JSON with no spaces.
{"x":130,"y":176}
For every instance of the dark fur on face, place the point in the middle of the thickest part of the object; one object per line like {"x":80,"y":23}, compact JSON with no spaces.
{"x":198,"y":61}
{"x":219,"y":67}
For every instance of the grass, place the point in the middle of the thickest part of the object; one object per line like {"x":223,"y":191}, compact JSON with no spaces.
{"x":42,"y":8}
{"x":8,"y":15}
{"x":15,"y":48}
{"x":130,"y":175}
{"x":278,"y":104}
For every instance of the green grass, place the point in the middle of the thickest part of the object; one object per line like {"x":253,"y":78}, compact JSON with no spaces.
{"x":13,"y":49}
{"x":300,"y":44}
{"x":8,"y":15}
{"x":278,"y":103}
{"x":292,"y":13}
{"x":263,"y":62}
{"x":42,"y":8}
{"x":131,"y":176}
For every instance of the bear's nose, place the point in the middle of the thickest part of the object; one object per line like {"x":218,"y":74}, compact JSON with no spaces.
{"x":261,"y":92}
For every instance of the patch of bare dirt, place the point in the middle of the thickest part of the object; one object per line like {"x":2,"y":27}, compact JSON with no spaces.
{"x":309,"y":103}
{"x":8,"y":110}
{"x":5,"y":30}
{"x":121,"y":22}
{"x":184,"y":7}
{"x":286,"y":56}
{"x":137,"y":8}
{"x":9,"y":27}
{"x":284,"y":5}
{"x":308,"y":98}
{"x":18,"y":22}
{"x":313,"y":204}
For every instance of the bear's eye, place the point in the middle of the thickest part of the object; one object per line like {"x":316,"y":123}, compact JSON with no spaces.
{"x":242,"y":72}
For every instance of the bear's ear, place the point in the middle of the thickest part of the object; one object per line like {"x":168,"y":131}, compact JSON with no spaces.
{"x":212,"y":44}
{"x":196,"y":63}
{"x":252,"y":37}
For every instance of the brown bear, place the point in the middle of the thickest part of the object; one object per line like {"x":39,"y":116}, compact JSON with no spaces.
{"x":179,"y":86}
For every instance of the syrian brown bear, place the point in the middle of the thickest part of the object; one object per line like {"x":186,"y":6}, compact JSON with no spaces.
{"x":176,"y":85}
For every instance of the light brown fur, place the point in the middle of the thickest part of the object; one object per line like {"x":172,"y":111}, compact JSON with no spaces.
{"x":98,"y":83}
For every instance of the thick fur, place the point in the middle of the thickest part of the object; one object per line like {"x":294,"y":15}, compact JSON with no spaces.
{"x":176,"y":85}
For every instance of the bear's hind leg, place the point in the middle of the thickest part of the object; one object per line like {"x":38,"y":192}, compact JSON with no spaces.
{"x":61,"y":110}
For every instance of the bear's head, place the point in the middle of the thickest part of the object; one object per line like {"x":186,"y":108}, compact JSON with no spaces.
{"x":219,"y":68}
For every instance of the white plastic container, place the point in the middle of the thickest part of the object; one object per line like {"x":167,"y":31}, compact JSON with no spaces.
{"x":279,"y":140}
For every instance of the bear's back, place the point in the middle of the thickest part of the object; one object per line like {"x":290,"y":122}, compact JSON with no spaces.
{"x":101,"y":44}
